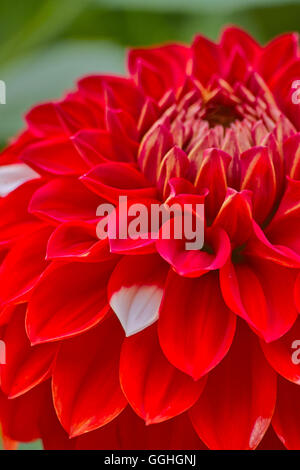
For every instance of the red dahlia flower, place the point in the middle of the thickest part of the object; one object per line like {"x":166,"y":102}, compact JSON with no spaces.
{"x":105,"y":336}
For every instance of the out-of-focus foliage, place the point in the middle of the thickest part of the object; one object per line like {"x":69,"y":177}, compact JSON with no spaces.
{"x":45,"y":45}
{"x":190,"y":5}
{"x":37,"y":445}
{"x":40,"y":76}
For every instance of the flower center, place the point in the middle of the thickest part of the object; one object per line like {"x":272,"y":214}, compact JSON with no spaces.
{"x":220,"y":141}
{"x":220,"y":115}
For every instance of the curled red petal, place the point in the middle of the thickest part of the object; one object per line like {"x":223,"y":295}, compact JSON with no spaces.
{"x":235,"y":216}
{"x":194,"y":263}
{"x":262,"y":293}
{"x":78,"y":241}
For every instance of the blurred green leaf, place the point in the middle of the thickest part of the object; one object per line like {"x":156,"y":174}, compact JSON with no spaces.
{"x":36,"y":445}
{"x":45,"y":21}
{"x":49,"y":73}
{"x":192,"y":5}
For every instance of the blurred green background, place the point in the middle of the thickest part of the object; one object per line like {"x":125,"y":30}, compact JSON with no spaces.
{"x":46,"y":44}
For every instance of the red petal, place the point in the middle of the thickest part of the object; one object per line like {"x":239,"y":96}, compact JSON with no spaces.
{"x":119,"y":121}
{"x":121,"y":239}
{"x":60,"y":119}
{"x":212,"y":175}
{"x":123,"y":90}
{"x":270,"y":441}
{"x":237,"y":66}
{"x":75,"y":114}
{"x":206,"y":59}
{"x":129,"y":431}
{"x":77,"y":241}
{"x":237,"y":404}
{"x":297,"y":292}
{"x":194,"y":263}
{"x":20,"y":416}
{"x":286,"y":420}
{"x":285,"y":225}
{"x":156,"y":143}
{"x":155,"y":389}
{"x":260,"y":246}
{"x":278,"y":53}
{"x":112,"y":180}
{"x":235,"y":216}
{"x":233,"y":37}
{"x":283,"y":354}
{"x":86,"y":389}
{"x":23,"y":266}
{"x":261,"y":292}
{"x":99,"y":146}
{"x":88,"y":143}
{"x":170,"y":63}
{"x":258,"y":176}
{"x":180,"y":186}
{"x":15,"y":220}
{"x":69,"y":299}
{"x":43,"y":121}
{"x":149,"y":115}
{"x":148,"y":79}
{"x":281,"y":86}
{"x":11,"y":153}
{"x":174,"y":164}
{"x":63,"y":200}
{"x":195,"y":326}
{"x":26,"y":366}
{"x":52,"y":433}
{"x":291,"y":151}
{"x":56,"y":156}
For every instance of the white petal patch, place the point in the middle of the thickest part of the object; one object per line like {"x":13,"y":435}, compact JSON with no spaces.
{"x":259,"y":429}
{"x":12,"y":176}
{"x":137,"y":307}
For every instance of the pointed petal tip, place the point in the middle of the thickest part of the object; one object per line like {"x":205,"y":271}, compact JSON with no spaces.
{"x":76,"y":432}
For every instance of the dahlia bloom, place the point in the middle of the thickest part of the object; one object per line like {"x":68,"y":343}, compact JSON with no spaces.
{"x":143,"y":344}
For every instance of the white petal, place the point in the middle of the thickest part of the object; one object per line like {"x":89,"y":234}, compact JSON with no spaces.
{"x":137,"y":307}
{"x":13,"y":176}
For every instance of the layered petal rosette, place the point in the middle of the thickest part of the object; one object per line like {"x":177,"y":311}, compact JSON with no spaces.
{"x":122,"y":343}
